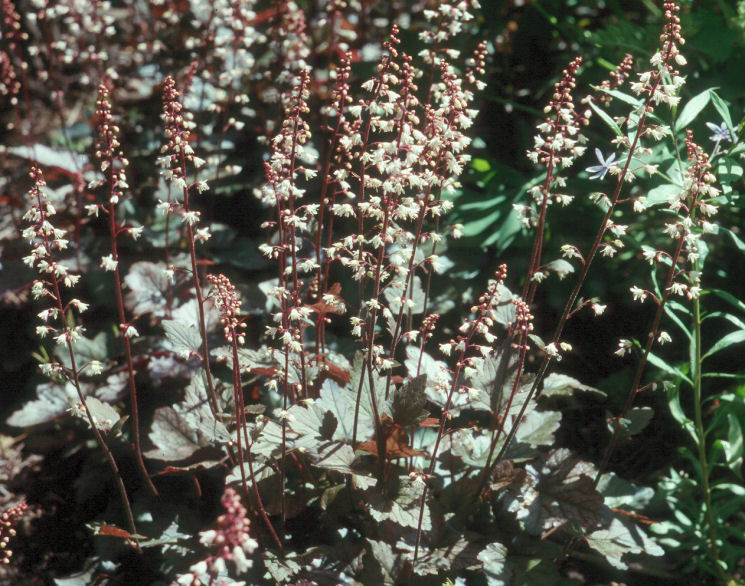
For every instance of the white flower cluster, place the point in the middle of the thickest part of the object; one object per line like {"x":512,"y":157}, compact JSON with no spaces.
{"x":44,"y":240}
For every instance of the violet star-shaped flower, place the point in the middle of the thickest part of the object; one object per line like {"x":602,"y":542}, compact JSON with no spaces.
{"x":721,"y":132}
{"x":599,"y":171}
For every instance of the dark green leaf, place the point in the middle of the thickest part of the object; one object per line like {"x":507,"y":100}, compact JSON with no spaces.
{"x":409,"y":401}
{"x":559,"y":491}
{"x":723,"y":111}
{"x":634,"y":422}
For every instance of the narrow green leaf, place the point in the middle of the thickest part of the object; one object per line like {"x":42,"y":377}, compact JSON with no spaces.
{"x":733,"y":319}
{"x":623,"y":97}
{"x":730,"y":487}
{"x":729,"y":340}
{"x":729,"y":298}
{"x":723,"y":375}
{"x":723,"y":110}
{"x":677,"y":412}
{"x":606,"y":118}
{"x":670,"y":306}
{"x":668,"y":368}
{"x":735,"y":444}
{"x":692,"y":109}
{"x":478,"y":226}
{"x":735,"y":239}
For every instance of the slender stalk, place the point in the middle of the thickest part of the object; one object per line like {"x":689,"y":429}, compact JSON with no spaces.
{"x":109,"y":154}
{"x":99,"y":438}
{"x":701,"y":443}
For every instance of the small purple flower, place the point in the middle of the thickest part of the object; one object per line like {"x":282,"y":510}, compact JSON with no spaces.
{"x":721,"y":132}
{"x":599,"y":171}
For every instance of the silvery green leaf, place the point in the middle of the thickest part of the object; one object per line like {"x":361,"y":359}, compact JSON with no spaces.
{"x":617,"y":539}
{"x":179,"y":431}
{"x":399,"y":506}
{"x":537,"y":428}
{"x":561,"y":384}
{"x":494,"y":560}
{"x":148,"y":286}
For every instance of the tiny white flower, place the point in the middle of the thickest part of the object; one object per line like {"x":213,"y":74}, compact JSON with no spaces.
{"x":130,"y":331}
{"x":95,"y":367}
{"x":638,"y":294}
{"x":108,"y":263}
{"x":624,"y":346}
{"x":551,"y":350}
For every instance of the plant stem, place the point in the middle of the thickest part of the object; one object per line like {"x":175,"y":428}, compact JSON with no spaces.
{"x":701,"y":442}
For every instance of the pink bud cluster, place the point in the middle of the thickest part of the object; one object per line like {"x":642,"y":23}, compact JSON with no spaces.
{"x":559,"y":140}
{"x":229,"y":305}
{"x":14,"y":36}
{"x":178,"y":151}
{"x":12,"y":30}
{"x":558,"y":143}
{"x":8,"y":522}
{"x":617,"y":77}
{"x":178,"y":131}
{"x":231,"y":539}
{"x":662,"y":83}
{"x":112,"y":165}
{"x":485,"y":318}
{"x":10,"y":87}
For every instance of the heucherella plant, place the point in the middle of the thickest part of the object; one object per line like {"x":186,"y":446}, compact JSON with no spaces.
{"x":658,"y":85}
{"x":59,"y":323}
{"x":113,"y":166}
